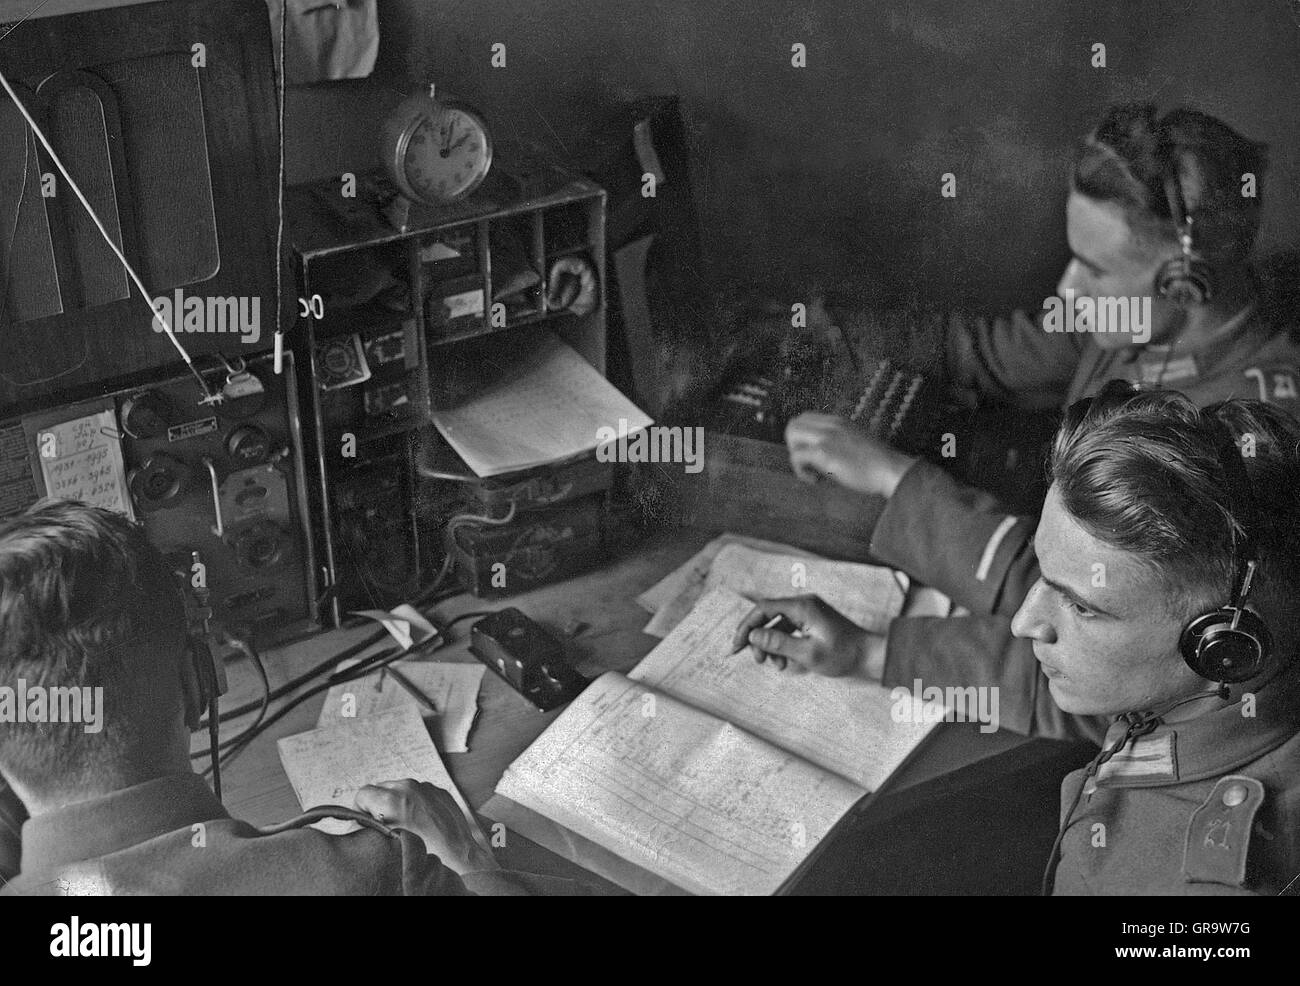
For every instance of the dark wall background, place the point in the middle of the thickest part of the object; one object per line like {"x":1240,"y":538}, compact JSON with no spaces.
{"x":831,"y":173}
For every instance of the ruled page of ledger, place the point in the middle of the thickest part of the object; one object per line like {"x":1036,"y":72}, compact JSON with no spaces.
{"x":697,"y":801}
{"x":844,"y":725}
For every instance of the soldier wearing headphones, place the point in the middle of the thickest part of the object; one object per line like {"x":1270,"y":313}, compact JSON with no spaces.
{"x":1162,"y":623}
{"x":1165,"y":208}
{"x":87,"y":603}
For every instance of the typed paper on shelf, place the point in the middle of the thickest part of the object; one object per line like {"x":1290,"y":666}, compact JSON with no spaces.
{"x":549,"y":405}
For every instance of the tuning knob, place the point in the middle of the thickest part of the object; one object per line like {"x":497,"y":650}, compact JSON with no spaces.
{"x":260,"y":546}
{"x":161,"y":482}
{"x":248,"y":445}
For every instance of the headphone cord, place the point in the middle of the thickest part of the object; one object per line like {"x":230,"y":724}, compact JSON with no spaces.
{"x":1164,"y":367}
{"x":214,"y":742}
{"x":322,"y":812}
{"x":425,"y":597}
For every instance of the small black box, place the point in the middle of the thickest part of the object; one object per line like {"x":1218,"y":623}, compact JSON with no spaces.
{"x":529,"y":659}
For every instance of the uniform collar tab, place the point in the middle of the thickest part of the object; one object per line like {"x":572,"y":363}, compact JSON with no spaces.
{"x":1209,"y":745}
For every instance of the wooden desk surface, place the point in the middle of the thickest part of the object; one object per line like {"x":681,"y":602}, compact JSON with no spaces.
{"x":257,"y":790}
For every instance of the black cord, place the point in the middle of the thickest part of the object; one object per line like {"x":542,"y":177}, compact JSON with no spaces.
{"x":322,"y":812}
{"x":235,"y":746}
{"x":361,"y":670}
{"x":297,"y":700}
{"x":363,"y":666}
{"x":472,"y":614}
{"x":214,"y":736}
{"x":256,"y":658}
{"x":315,"y":672}
{"x":329,"y":663}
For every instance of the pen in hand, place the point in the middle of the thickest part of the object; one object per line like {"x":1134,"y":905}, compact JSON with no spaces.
{"x":779,"y":622}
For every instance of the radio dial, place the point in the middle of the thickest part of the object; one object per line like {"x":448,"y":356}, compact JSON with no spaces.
{"x":260,"y":546}
{"x":248,"y":445}
{"x":162,"y":481}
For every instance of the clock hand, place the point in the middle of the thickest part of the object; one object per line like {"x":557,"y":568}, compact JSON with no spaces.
{"x":459,"y":142}
{"x":447,"y":145}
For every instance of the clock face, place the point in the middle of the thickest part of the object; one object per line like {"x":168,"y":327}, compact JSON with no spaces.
{"x":448,"y":155}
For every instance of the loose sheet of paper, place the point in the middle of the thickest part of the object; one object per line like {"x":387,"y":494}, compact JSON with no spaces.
{"x":404,"y":623}
{"x":694,"y":571}
{"x":845,"y":725}
{"x":869,"y":595}
{"x":452,"y":688}
{"x":549,"y":405}
{"x":329,"y":766}
{"x":696,"y":801}
{"x":81,"y":459}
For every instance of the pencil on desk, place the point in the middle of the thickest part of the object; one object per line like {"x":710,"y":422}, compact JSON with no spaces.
{"x":410,"y":688}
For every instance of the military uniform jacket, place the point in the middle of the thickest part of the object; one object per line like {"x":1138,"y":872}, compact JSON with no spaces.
{"x":1209,"y":805}
{"x":171,"y":836}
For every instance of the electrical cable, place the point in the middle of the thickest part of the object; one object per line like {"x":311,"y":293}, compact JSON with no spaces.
{"x":265,"y":702}
{"x":364,"y":666}
{"x":214,"y":735}
{"x":321,"y":813}
{"x":278,"y":359}
{"x":236,"y":745}
{"x":350,"y":675}
{"x":326,"y":665}
{"x":469,"y":616}
{"x":316,"y":671}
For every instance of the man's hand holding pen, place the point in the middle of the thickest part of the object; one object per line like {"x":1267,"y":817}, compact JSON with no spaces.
{"x":805,"y":633}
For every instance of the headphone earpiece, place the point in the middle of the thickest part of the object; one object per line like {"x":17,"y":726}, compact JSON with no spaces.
{"x":203,"y":681}
{"x":1231,"y":644}
{"x":1217,"y":649}
{"x":1186,"y":280}
{"x":204,"y":678}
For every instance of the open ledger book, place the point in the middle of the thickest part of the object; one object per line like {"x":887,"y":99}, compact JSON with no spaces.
{"x":703,"y":769}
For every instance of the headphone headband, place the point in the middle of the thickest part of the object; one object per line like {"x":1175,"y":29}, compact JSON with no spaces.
{"x":1188,"y":278}
{"x":1243,"y":508}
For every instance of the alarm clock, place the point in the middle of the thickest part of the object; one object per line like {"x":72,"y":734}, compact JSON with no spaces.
{"x":437,"y":151}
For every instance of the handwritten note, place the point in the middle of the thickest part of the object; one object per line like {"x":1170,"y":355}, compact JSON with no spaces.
{"x":452,"y":688}
{"x":329,"y":766}
{"x":844,"y":725}
{"x":869,"y":595}
{"x":690,"y":575}
{"x":81,"y":459}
